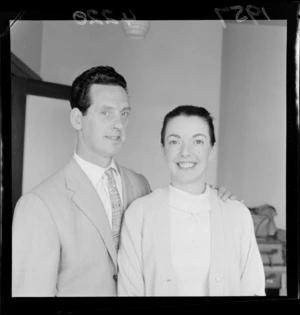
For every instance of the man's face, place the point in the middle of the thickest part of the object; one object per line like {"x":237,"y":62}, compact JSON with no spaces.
{"x":187,"y":150}
{"x":103,"y":127}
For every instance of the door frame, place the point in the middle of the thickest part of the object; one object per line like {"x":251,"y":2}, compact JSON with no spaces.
{"x":20,"y":88}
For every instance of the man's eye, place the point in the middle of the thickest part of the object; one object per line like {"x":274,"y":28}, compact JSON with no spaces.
{"x":125,"y":114}
{"x":106,"y":113}
{"x":198,"y":141}
{"x":172,"y":142}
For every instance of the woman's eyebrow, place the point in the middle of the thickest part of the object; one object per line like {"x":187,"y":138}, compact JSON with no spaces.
{"x":173,"y":135}
{"x":199,"y":135}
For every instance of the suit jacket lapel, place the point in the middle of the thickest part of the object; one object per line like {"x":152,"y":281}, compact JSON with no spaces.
{"x":88,"y":201}
{"x":127,"y":188}
{"x":216,"y":274}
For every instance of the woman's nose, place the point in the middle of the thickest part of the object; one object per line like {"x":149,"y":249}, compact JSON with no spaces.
{"x":184,"y":150}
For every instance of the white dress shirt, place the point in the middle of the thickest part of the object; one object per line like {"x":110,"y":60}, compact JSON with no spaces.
{"x":98,"y":178}
{"x":190,"y":241}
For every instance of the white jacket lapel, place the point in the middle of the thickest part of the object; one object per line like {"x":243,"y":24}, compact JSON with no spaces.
{"x":161,"y":225}
{"x":216,"y":274}
{"x":162,"y":244}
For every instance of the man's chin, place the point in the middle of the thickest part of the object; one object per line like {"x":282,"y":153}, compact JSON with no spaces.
{"x":113,"y":151}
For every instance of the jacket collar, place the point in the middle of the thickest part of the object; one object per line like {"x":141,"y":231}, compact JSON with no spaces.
{"x":88,"y":201}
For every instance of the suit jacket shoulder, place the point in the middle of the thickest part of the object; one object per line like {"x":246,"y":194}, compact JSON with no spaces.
{"x":53,"y":181}
{"x":137,"y":180}
{"x":55,"y":186}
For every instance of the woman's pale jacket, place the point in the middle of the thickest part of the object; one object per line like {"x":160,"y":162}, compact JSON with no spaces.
{"x":144,"y":259}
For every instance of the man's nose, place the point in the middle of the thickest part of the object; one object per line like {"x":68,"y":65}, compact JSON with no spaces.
{"x":118,"y":123}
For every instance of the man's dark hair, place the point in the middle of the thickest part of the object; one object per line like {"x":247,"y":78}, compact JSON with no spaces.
{"x":97,"y":75}
{"x":189,"y":110}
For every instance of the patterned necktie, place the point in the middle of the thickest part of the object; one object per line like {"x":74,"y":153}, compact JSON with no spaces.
{"x":116,"y":206}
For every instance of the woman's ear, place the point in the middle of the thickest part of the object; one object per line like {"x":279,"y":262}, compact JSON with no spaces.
{"x":76,"y":118}
{"x":213,"y":152}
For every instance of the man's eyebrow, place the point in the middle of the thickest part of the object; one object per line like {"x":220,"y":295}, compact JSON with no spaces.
{"x":199,"y":134}
{"x":126,"y":108}
{"x":104,"y":106}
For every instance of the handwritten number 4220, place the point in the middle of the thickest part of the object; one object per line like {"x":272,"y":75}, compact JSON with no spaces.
{"x":251,"y":10}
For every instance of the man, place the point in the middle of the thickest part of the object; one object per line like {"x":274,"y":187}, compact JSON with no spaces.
{"x":66,"y":230}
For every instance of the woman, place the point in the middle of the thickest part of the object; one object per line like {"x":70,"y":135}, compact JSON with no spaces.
{"x":183,"y":240}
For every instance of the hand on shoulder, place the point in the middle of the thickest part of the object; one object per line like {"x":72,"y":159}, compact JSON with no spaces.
{"x":225,"y":194}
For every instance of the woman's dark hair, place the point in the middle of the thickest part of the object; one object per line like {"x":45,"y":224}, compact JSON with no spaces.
{"x":97,"y":75}
{"x":189,"y":110}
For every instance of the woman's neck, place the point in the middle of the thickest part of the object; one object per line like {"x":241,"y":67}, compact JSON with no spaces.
{"x":192,"y":188}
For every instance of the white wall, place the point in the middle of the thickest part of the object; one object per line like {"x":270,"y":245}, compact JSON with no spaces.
{"x":49,"y":140}
{"x":26,"y":43}
{"x":179,"y":62}
{"x":252,"y":152}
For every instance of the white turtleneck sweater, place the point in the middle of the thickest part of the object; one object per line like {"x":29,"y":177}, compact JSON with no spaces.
{"x":190,"y":240}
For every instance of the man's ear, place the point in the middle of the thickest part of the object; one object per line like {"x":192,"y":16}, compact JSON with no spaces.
{"x":213,"y":153}
{"x":76,"y":118}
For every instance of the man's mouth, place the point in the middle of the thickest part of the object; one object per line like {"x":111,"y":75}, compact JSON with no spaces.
{"x":114,"y":138}
{"x":186,"y":165}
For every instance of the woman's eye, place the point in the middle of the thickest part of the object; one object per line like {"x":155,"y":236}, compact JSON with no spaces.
{"x":172,"y":142}
{"x":198,"y":141}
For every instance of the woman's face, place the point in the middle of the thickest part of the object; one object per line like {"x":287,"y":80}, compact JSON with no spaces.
{"x":187,"y":150}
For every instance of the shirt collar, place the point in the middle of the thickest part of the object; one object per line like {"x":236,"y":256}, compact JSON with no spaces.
{"x":93,"y":171}
{"x":182,"y":200}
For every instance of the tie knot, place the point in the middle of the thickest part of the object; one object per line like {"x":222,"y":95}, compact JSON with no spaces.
{"x":110,"y":172}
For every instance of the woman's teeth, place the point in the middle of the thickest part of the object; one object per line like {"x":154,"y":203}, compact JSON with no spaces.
{"x":186,"y":164}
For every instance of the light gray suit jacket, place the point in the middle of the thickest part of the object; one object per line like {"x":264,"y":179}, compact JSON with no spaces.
{"x":62,"y":240}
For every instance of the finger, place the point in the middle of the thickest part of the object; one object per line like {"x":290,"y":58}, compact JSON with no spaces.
{"x":226,"y":195}
{"x":233,"y":197}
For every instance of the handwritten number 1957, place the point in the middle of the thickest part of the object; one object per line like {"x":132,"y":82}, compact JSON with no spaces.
{"x":252,"y":11}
